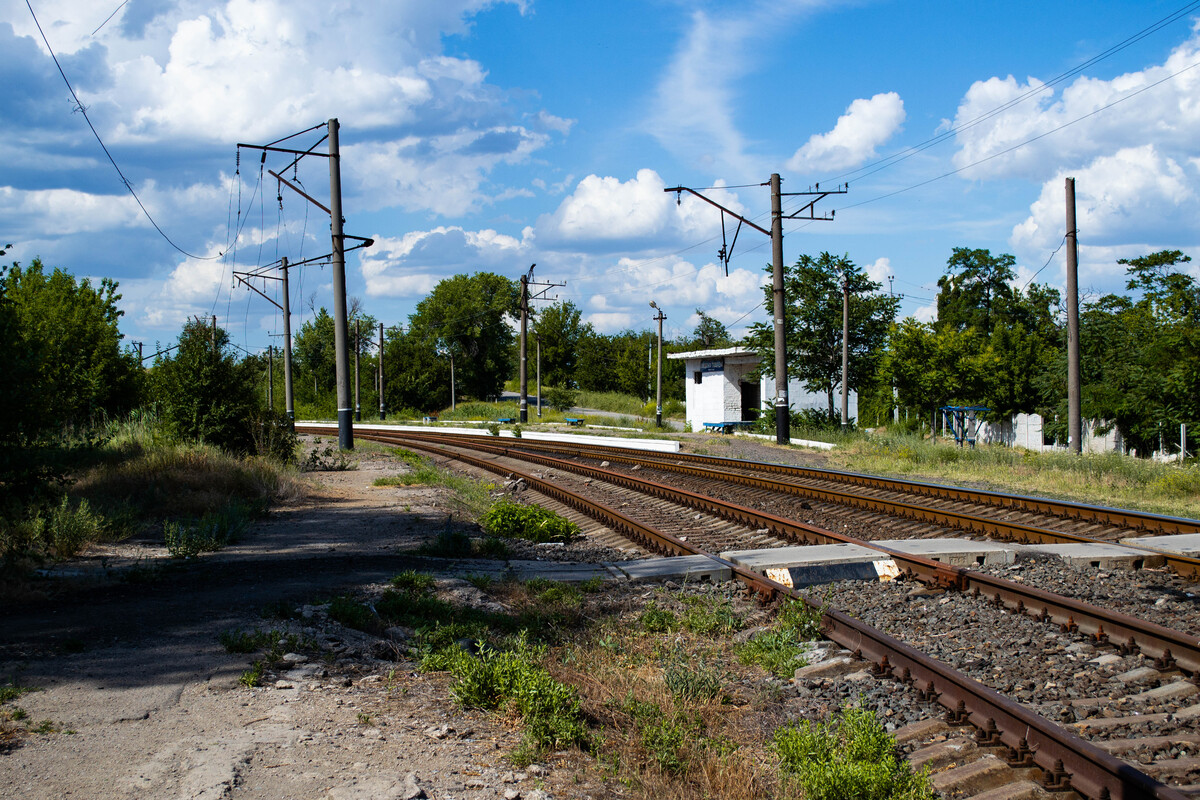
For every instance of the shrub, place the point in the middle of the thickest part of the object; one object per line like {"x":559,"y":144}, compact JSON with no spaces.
{"x":706,"y":617}
{"x":414,"y":582}
{"x":561,"y":399}
{"x":532,"y":523}
{"x":851,"y":757}
{"x":658,"y":620}
{"x":779,"y":652}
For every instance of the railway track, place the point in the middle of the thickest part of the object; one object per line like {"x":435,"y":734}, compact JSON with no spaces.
{"x":1027,"y":738}
{"x":877,"y":508}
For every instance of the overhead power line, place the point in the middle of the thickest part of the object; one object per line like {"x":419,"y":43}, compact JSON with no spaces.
{"x":80,"y":108}
{"x":881,"y":164}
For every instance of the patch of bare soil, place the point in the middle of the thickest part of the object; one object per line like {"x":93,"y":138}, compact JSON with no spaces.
{"x":139,"y":698}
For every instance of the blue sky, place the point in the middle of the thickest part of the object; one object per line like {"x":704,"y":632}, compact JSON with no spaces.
{"x":483,"y":135}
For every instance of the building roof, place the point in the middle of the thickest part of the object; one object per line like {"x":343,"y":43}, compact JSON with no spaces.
{"x":718,"y":353}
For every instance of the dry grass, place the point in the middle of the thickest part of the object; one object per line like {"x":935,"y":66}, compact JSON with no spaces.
{"x":171,"y":480}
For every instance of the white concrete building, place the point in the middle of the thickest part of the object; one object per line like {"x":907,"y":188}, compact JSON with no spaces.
{"x":720,"y":387}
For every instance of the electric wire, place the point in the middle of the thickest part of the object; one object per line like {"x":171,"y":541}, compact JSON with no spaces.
{"x":110,"y":16}
{"x":1048,"y":260}
{"x":1028,"y":141}
{"x":82,"y":110}
{"x":876,"y":166}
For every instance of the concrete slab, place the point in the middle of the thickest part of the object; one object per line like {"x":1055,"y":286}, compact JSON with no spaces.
{"x":682,"y":568}
{"x":1099,"y":554}
{"x":564,"y":572}
{"x":802,"y":556}
{"x":959,"y":552}
{"x":815,"y":565}
{"x":1185,"y":544}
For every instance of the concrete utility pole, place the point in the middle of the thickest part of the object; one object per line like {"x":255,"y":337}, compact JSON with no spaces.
{"x":527,"y":281}
{"x":845,"y":351}
{"x":538,"y":337}
{"x":288,"y":399}
{"x":1074,"y":403}
{"x":783,"y":428}
{"x":524,"y":408}
{"x":452,"y":406}
{"x":782,"y":421}
{"x":660,"y":316}
{"x":213,"y":334}
{"x":357,"y":382}
{"x":382,"y":408}
{"x":338,"y":262}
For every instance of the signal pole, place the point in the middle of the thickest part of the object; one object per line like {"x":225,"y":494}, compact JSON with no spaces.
{"x":1074,"y":405}
{"x":782,"y":423}
{"x":660,"y":316}
{"x":357,"y":382}
{"x":526,"y":282}
{"x":382,"y":409}
{"x":845,"y":351}
{"x":271,"y":378}
{"x":289,"y":402}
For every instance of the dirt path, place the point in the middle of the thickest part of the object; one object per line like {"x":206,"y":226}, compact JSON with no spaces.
{"x":143,"y":701}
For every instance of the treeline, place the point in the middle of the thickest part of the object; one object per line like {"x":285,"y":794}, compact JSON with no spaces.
{"x":1002,"y":345}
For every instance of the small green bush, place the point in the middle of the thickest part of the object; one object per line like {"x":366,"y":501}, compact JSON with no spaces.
{"x":707,"y":616}
{"x":561,"y":399}
{"x":851,"y":757}
{"x":658,"y":620}
{"x":551,"y":710}
{"x":493,"y":547}
{"x":414,"y":582}
{"x":532,"y":523}
{"x":779,"y":652}
{"x":448,"y":544}
{"x":355,"y":615}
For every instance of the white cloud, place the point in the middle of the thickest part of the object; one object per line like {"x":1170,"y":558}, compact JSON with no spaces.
{"x":609,"y":321}
{"x":1165,"y":116}
{"x":695,"y":104}
{"x":58,"y":212}
{"x":629,"y":215}
{"x":879,"y":270}
{"x":1130,"y":203}
{"x":865,"y":125}
{"x":411,"y":265}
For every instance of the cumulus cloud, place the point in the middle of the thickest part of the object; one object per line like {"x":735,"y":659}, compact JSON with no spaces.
{"x":605,"y":213}
{"x":866,"y":124}
{"x":1164,"y":115}
{"x":1133,"y":202}
{"x":879,"y":270}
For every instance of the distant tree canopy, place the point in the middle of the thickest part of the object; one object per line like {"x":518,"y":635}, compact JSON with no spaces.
{"x":561,"y":332}
{"x":709,"y":333}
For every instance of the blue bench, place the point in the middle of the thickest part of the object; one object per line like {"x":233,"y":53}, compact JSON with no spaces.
{"x":727,"y":427}
{"x":575,"y":421}
{"x":506,"y":420}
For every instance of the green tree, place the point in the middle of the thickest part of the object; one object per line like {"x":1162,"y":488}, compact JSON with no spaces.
{"x":68,"y":329}
{"x":204,"y":393}
{"x":561,"y":331}
{"x":813,"y":323}
{"x":709,"y":333}
{"x":1140,"y":359}
{"x":595,"y":368}
{"x":469,"y":316}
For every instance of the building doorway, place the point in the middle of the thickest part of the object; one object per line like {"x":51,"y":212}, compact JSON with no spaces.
{"x":751,"y":400}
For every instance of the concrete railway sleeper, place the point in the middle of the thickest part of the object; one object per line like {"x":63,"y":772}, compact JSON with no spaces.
{"x":1070,"y":763}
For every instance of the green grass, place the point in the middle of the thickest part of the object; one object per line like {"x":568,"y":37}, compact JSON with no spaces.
{"x":1108,"y":479}
{"x":851,"y":757}
{"x":12,"y":692}
{"x":532,"y":523}
{"x":706,"y":616}
{"x":467,"y":495}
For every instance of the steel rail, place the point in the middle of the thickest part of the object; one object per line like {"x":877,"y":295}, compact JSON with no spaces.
{"x":1069,"y":761}
{"x":1127,"y":518}
{"x":1186,"y":566}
